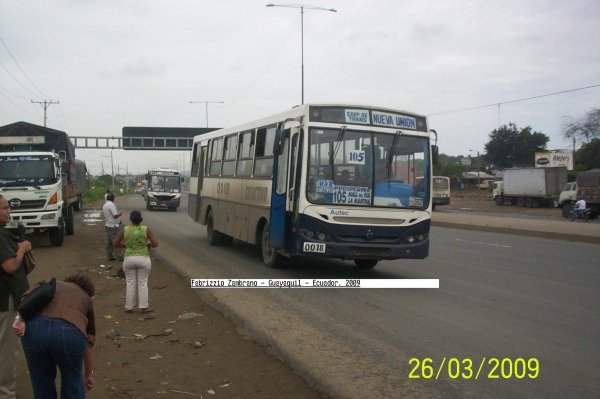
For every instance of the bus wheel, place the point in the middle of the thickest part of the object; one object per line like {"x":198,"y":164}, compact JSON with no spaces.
{"x":214,"y":237}
{"x":270,"y":256}
{"x":365,"y":263}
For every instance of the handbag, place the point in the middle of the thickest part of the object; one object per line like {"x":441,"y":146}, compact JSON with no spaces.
{"x":37,"y":299}
{"x":28,"y":261}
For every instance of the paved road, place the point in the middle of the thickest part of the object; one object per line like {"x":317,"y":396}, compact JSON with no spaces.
{"x":500,"y":295}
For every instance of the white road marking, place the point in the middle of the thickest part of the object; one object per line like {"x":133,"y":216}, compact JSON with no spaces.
{"x":484,"y":243}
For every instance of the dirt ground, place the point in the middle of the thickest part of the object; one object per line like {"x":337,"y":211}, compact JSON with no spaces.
{"x":481,"y":201}
{"x":183,"y":349}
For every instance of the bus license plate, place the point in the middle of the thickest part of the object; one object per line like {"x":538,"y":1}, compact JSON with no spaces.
{"x":314,"y":247}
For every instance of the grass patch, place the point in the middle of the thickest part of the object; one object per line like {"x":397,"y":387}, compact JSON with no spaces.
{"x":94,"y":192}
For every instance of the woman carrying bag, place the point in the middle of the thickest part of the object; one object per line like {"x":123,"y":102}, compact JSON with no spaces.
{"x":61,"y":335}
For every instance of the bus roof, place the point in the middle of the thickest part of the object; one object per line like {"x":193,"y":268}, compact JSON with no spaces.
{"x":299,"y":111}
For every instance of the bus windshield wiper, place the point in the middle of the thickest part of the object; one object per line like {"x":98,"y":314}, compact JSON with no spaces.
{"x":391,"y":155}
{"x":338,"y":141}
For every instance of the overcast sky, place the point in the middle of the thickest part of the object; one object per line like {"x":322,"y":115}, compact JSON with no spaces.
{"x":138,"y":63}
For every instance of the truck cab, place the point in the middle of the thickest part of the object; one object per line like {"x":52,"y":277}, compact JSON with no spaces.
{"x":568,"y":194}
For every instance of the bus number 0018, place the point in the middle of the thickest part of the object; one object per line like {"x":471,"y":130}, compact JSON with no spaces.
{"x":314,"y":247}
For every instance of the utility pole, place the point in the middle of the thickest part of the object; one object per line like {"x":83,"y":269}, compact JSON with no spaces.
{"x":45,"y":104}
{"x":206,"y":106}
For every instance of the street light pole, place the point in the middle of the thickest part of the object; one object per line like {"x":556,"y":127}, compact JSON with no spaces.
{"x":478,"y":181}
{"x":206,"y":106}
{"x":302,"y":7}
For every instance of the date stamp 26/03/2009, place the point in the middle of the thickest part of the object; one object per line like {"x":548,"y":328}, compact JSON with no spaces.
{"x":466,"y":368}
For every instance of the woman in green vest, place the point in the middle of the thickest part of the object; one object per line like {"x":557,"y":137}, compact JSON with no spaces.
{"x":136,"y":239}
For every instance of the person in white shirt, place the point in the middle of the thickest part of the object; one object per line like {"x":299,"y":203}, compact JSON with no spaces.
{"x":112,"y":226}
{"x":580,"y":206}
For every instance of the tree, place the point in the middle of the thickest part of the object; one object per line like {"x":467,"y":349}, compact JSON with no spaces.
{"x":509,"y":146}
{"x":584,"y":129}
{"x":588,"y":156}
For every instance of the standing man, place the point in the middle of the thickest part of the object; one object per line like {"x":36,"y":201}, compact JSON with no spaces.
{"x":112,"y":225}
{"x":13,"y":284}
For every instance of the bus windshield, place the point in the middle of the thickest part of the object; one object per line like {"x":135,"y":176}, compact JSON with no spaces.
{"x":169,"y":184}
{"x":367,"y":169}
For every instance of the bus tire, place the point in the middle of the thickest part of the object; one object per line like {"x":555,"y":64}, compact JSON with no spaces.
{"x":214,"y":237}
{"x":271,"y":257}
{"x":366,"y":263}
{"x":227,"y":240}
{"x":69,"y":221}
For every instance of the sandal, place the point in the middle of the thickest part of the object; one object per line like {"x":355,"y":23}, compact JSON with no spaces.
{"x":147,"y":310}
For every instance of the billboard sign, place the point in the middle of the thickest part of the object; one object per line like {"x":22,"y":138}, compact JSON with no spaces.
{"x":552,"y":159}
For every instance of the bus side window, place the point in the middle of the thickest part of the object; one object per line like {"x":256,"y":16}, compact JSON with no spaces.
{"x":245,"y":148}
{"x":229,"y":155}
{"x":263,"y":165}
{"x":216,"y":154}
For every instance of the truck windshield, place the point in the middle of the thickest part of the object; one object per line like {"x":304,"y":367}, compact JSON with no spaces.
{"x":367,"y":169}
{"x":26,"y":170}
{"x":169,"y":184}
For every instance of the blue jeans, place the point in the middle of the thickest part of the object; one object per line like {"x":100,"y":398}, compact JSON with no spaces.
{"x":49,"y":343}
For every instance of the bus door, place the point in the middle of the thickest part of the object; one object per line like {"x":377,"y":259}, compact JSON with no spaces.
{"x":277,"y":213}
{"x":195,"y":195}
{"x":295,"y":168}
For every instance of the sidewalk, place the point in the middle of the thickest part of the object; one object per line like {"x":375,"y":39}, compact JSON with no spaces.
{"x":554,"y":228}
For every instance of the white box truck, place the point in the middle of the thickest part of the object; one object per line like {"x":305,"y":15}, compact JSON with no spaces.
{"x":530,"y":187}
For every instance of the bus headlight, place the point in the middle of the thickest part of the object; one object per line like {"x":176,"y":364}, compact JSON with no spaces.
{"x":410,"y":239}
{"x":310,"y":234}
{"x":321,"y":236}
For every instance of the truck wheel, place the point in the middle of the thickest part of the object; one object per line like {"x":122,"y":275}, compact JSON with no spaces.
{"x":499,"y":200}
{"x":365,"y":263}
{"x":57,"y":234}
{"x":270,"y":256}
{"x":521,"y":202}
{"x":529,"y":202}
{"x":78,"y":205}
{"x":69,"y":221}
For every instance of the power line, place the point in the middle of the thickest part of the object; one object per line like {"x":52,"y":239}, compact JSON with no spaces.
{"x":17,"y":80}
{"x":498,"y":104}
{"x":21,"y":69}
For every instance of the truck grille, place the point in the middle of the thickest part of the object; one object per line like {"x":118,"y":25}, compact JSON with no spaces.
{"x":22,"y":205}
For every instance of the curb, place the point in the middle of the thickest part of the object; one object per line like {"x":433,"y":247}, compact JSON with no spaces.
{"x":522,"y":232}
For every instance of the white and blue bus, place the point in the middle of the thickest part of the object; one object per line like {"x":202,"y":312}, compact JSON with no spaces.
{"x":336,"y":181}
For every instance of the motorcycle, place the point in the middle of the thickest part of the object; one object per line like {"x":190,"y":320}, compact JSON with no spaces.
{"x":584,"y":215}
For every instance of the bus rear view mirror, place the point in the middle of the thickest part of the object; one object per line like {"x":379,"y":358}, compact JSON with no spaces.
{"x":435,"y":154}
